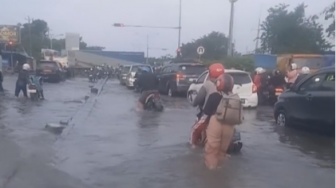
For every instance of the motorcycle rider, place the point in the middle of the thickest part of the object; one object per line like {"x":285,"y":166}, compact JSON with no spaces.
{"x":276,"y":80}
{"x":260,"y":81}
{"x":22,"y":81}
{"x":207,"y":89}
{"x":292,"y":74}
{"x":304,"y":72}
{"x":149,"y":84}
{"x":219,"y":134}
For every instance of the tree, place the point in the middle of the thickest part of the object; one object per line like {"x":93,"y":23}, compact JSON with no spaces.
{"x":34,"y":37}
{"x":329,"y":13}
{"x":286,"y":31}
{"x":215,"y":45}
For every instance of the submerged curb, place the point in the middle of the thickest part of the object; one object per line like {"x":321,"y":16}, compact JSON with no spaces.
{"x":89,"y":99}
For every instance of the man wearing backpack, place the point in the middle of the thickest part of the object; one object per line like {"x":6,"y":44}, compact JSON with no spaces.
{"x":207,"y":89}
{"x":224,"y":109}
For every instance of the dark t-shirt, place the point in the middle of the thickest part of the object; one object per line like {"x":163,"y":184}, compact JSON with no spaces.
{"x":212,"y":104}
{"x":148,"y":81}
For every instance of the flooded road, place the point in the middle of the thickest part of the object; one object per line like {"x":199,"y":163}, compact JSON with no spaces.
{"x":108,"y":144}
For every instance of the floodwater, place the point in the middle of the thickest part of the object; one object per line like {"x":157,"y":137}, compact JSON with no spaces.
{"x":108,"y":144}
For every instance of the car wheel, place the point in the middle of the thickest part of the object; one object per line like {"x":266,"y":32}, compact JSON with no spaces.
{"x":190,"y":96}
{"x":281,"y":118}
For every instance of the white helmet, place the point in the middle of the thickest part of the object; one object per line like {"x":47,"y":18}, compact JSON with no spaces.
{"x":26,"y":66}
{"x":259,"y":70}
{"x":305,"y":70}
{"x":294,"y":66}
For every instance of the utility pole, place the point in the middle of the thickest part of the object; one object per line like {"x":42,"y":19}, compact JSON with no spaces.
{"x":50,"y":38}
{"x":180,"y":22}
{"x":257,"y":39}
{"x":230,"y":47}
{"x":29,"y":33}
{"x":147,"y":50}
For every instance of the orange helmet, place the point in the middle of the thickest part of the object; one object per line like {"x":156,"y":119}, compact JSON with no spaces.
{"x":224,"y":83}
{"x":216,"y":70}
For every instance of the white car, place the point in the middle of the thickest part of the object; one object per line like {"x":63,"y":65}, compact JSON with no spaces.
{"x":243,"y":86}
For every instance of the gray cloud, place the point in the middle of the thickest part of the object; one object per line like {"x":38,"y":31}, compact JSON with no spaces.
{"x":93,"y":19}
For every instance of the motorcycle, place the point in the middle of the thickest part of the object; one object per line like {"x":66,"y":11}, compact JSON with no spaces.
{"x":153,"y":102}
{"x":92,"y":78}
{"x":275,"y":92}
{"x":33,"y":90}
{"x":235,"y":145}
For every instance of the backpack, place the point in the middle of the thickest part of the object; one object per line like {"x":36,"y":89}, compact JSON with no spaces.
{"x":229,"y":109}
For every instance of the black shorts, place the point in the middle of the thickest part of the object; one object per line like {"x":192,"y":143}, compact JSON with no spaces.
{"x":144,"y":96}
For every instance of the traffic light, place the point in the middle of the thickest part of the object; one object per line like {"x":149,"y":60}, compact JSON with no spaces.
{"x":118,"y":25}
{"x":10,"y":46}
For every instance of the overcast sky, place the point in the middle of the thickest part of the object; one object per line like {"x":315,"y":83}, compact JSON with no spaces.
{"x":93,"y":19}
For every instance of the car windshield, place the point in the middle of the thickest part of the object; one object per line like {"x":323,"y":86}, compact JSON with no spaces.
{"x":312,"y":63}
{"x":241,"y":78}
{"x":48,"y":65}
{"x":192,"y":69}
{"x":125,"y":69}
{"x":136,"y":68}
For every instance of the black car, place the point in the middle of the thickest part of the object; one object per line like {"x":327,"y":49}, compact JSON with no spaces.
{"x":310,"y":103}
{"x":50,"y":71}
{"x":176,"y":78}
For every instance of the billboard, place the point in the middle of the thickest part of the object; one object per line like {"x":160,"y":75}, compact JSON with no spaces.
{"x":72,"y":41}
{"x":9,"y":33}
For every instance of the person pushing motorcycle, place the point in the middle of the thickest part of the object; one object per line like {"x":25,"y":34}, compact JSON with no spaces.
{"x":22,"y":81}
{"x":149,"y":84}
{"x":209,"y":87}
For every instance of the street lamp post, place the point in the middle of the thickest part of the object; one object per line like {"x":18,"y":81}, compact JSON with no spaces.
{"x":160,"y":27}
{"x":230,"y":47}
{"x":180,"y":22}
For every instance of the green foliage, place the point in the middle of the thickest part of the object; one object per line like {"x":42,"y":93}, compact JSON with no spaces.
{"x":286,"y":31}
{"x":215,"y":45}
{"x":38,"y":36}
{"x":330,"y":15}
{"x":34,"y":36}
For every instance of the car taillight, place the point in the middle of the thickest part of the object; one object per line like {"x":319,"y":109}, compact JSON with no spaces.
{"x":180,"y":76}
{"x":254,"y":88}
{"x":278,"y":90}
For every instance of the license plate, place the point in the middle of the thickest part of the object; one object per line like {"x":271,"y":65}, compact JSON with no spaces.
{"x":191,"y":79}
{"x":32,"y":90}
{"x":47,"y":71}
{"x":277,"y":94}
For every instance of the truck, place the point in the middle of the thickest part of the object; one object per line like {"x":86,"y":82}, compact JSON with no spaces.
{"x":313,"y":61}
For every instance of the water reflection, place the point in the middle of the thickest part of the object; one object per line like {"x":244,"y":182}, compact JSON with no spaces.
{"x":148,"y":133}
{"x":318,"y":146}
{"x":148,"y":119}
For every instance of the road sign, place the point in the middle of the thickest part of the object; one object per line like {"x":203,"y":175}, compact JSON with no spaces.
{"x":200,"y":50}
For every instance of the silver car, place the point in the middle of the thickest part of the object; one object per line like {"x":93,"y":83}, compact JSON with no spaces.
{"x":129,"y":82}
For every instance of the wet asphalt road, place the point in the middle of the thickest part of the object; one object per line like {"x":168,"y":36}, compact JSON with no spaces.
{"x":108,"y":144}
